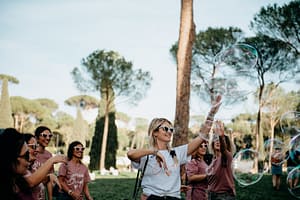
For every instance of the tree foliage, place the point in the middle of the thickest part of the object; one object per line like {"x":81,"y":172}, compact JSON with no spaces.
{"x":48,"y":103}
{"x":85,"y":102}
{"x":206,"y":47}
{"x":111,"y":76}
{"x":280,"y":23}
{"x":276,"y":64}
{"x":107,"y":69}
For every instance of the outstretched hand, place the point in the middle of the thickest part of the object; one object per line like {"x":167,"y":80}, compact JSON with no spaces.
{"x":219,"y":128}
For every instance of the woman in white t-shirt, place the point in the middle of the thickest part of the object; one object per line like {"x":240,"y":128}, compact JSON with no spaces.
{"x":161,"y":179}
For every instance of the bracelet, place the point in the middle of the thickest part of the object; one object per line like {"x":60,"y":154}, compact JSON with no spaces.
{"x":70,"y":192}
{"x":210,"y":116}
{"x":155,"y":152}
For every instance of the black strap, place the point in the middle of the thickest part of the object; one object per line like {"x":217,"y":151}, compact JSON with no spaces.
{"x":138,"y":180}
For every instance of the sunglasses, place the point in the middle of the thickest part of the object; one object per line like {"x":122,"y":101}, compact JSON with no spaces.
{"x":79,"y":148}
{"x":26,"y":156}
{"x":203,"y":145}
{"x":167,"y":129}
{"x":33,"y":146}
{"x":45,"y":135}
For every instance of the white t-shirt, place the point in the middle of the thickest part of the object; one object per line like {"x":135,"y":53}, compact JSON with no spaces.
{"x":156,"y":181}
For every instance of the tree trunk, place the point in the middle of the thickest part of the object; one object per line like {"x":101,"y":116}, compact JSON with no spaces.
{"x":271,"y":145}
{"x":104,"y":139}
{"x":259,"y":134}
{"x":184,"y":60}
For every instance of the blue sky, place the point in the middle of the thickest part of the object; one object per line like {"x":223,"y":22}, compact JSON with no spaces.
{"x":41,"y":41}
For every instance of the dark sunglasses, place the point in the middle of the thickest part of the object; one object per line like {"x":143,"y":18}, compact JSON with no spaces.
{"x":26,"y":156}
{"x":167,"y":129}
{"x":203,"y":145}
{"x":45,"y":135}
{"x":79,"y":148}
{"x":33,"y":146}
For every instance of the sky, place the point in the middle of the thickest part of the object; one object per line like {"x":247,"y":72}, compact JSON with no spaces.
{"x":41,"y":41}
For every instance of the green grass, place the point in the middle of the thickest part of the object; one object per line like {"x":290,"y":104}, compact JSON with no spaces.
{"x":121,"y":188}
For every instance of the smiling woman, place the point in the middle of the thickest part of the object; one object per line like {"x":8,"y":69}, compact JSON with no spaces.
{"x":74,"y":176}
{"x":161,"y":163}
{"x":14,"y":164}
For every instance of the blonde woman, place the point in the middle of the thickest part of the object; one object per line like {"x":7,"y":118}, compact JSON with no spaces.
{"x":162,"y":175}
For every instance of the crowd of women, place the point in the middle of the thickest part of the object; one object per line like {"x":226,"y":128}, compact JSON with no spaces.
{"x":27,"y":168}
{"x":27,"y":171}
{"x":162,"y":163}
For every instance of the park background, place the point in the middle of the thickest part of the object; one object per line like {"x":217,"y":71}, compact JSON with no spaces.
{"x":41,"y":42}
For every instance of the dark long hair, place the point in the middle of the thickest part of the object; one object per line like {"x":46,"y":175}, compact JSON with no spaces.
{"x":41,"y":129}
{"x":11,"y":143}
{"x":71,"y":148}
{"x":225,"y":145}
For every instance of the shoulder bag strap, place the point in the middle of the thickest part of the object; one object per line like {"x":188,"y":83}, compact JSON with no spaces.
{"x":138,"y":180}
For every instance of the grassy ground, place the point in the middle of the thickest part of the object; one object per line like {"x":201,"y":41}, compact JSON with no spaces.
{"x":121,"y":188}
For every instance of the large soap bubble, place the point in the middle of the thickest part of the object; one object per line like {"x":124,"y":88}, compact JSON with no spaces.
{"x":240,"y":55}
{"x":231,"y":78}
{"x":275,"y":151}
{"x":293,"y":182}
{"x":294,"y":149}
{"x":247,"y":168}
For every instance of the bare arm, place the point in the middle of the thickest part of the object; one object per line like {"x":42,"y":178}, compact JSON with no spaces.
{"x":87,"y":192}
{"x":205,"y":129}
{"x":196,"y":177}
{"x":136,"y":154}
{"x":38,"y":176}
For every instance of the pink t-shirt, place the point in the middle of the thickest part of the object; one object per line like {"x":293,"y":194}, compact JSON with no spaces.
{"x":43,"y":157}
{"x":220,"y":179}
{"x":38,"y":190}
{"x":198,"y":191}
{"x":76,"y":175}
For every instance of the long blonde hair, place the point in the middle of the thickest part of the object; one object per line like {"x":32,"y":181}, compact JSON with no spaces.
{"x":153,"y":126}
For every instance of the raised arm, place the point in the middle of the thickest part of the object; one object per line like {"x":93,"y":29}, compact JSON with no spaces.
{"x":204,"y":131}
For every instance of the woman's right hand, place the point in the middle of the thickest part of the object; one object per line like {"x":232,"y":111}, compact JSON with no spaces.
{"x":59,"y":159}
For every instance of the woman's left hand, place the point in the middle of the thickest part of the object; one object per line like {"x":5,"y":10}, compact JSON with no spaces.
{"x":219,"y":128}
